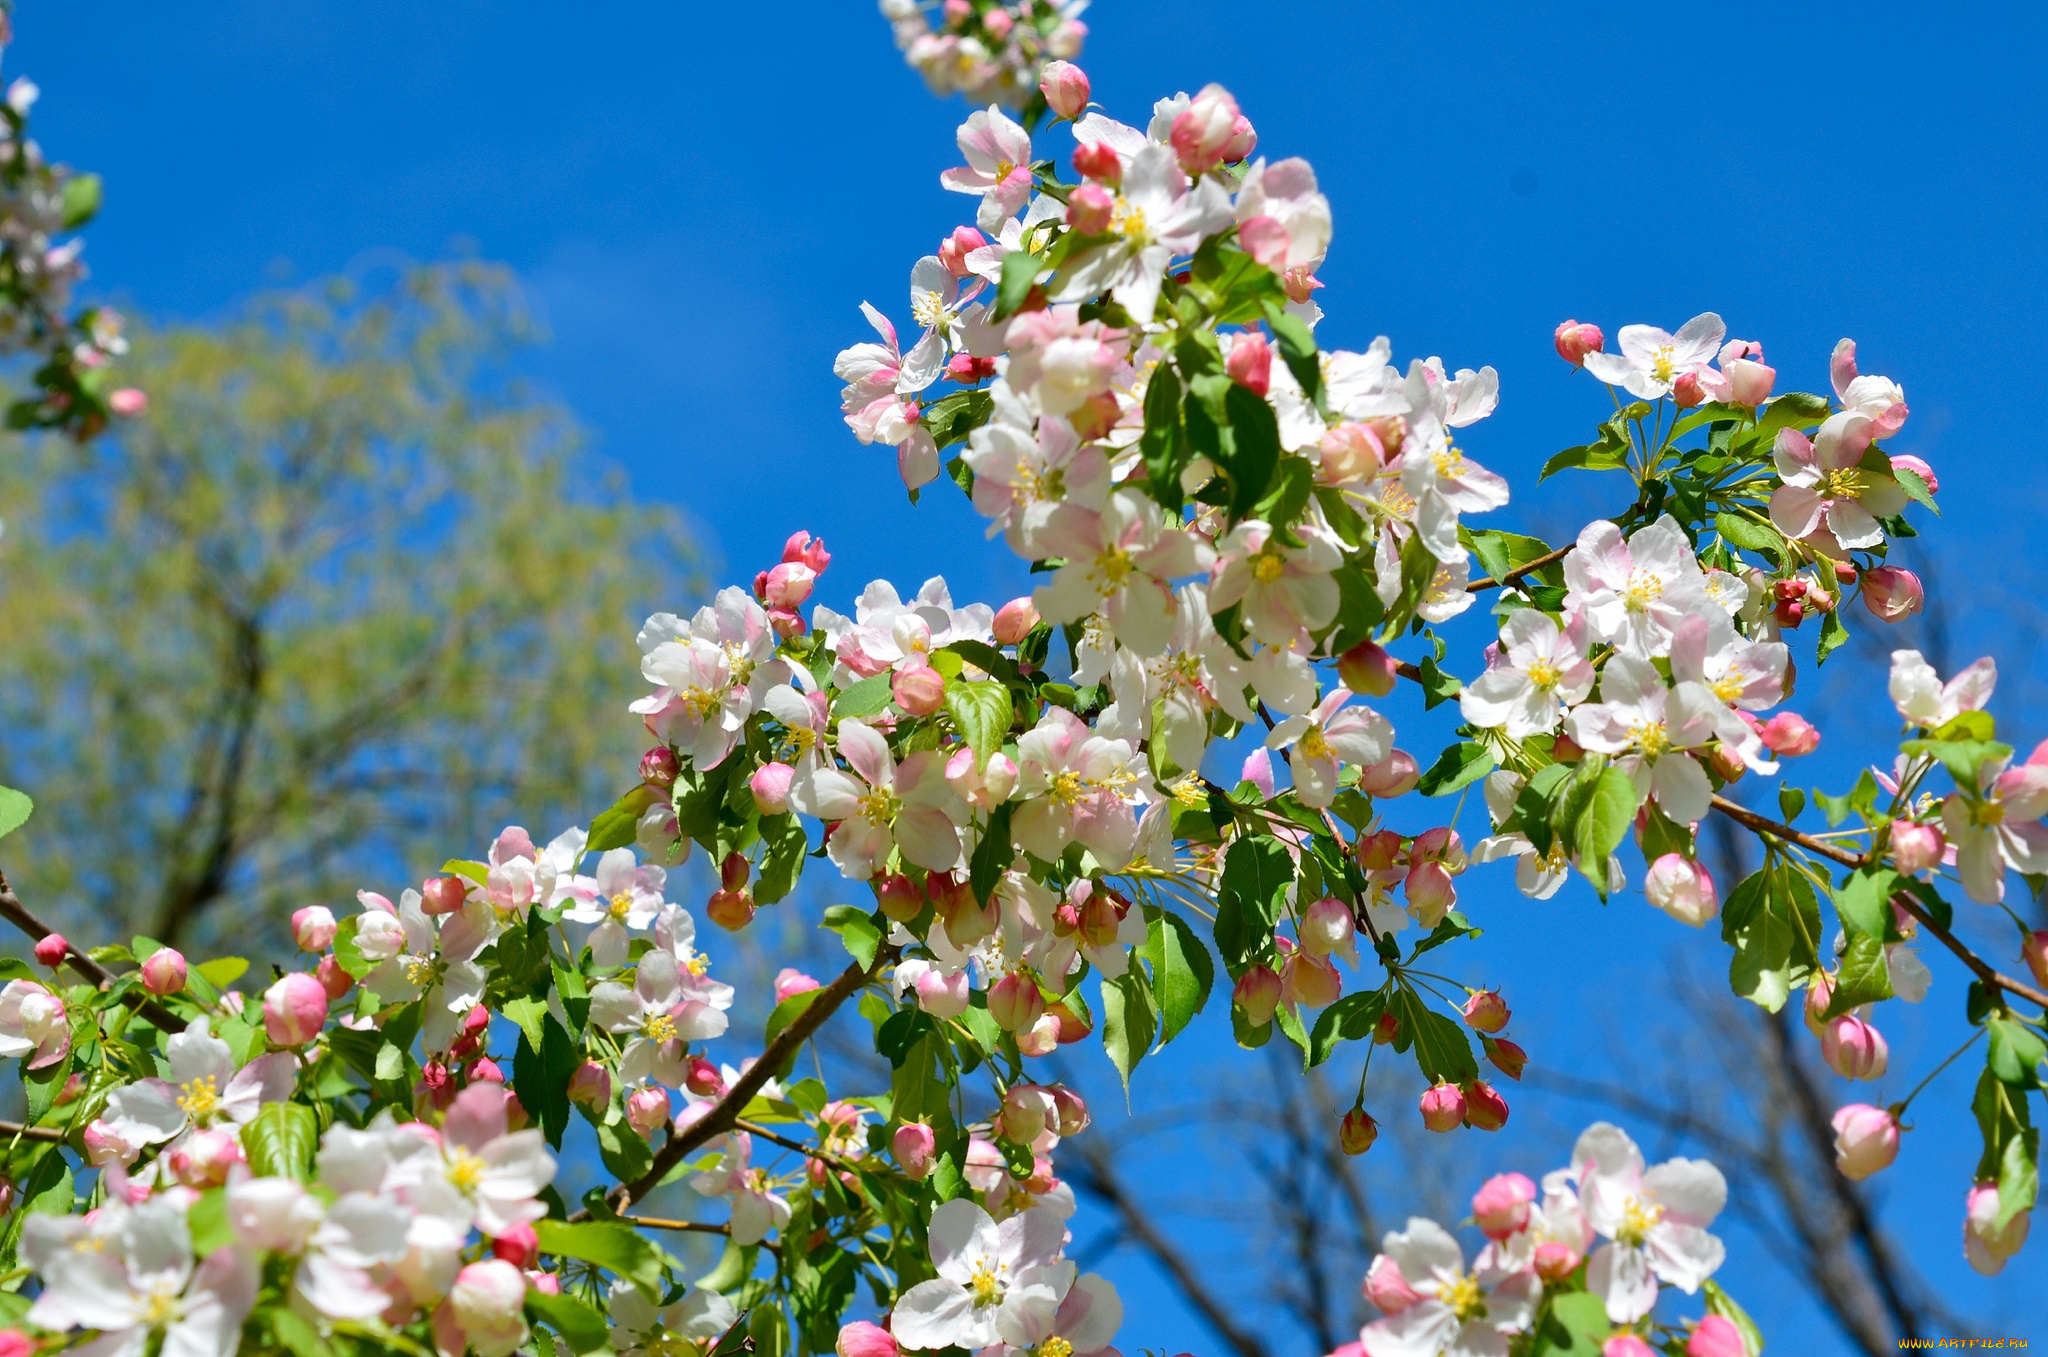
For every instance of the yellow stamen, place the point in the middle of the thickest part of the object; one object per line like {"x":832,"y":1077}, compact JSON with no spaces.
{"x":465,"y":1171}
{"x":1110,"y":570}
{"x":879,"y":806}
{"x":658,"y":1027}
{"x":1728,"y":687}
{"x":1314,"y":746}
{"x":1067,"y":789}
{"x":1464,"y":1298}
{"x":1642,"y":590}
{"x":1450,"y":462}
{"x":198,"y":1098}
{"x":1055,"y":1346}
{"x":621,"y":906}
{"x":1637,"y":1218}
{"x":1847,"y":483}
{"x":1662,"y":367}
{"x":1650,"y":737}
{"x":1268,"y":565}
{"x":1544,"y":675}
{"x":982,"y":1282}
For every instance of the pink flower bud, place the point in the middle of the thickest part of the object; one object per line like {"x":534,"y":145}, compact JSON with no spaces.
{"x":1015,"y":1003}
{"x":1257,"y":995}
{"x":313,"y":928}
{"x":1727,"y":760}
{"x":943,"y":995}
{"x":1387,"y":1288}
{"x":13,"y":1342}
{"x":731,"y":910}
{"x":900,"y":898}
{"x":1790,"y":734}
{"x":1258,"y":770}
{"x":915,"y":1147}
{"x":1250,"y":364}
{"x":333,"y":978}
{"x":1866,"y":1139}
{"x":487,"y":1303}
{"x":164,"y":971}
{"x":770,"y":787}
{"x":1501,"y":1205}
{"x":920,"y":691}
{"x":789,"y":981}
{"x":1891,"y":593}
{"x":547,"y":1283}
{"x":1041,"y":1038}
{"x":1683,"y":889}
{"x":590,"y":1085}
{"x":1555,"y":1261}
{"x":1065,"y":87}
{"x":1485,"y":1110}
{"x":659,"y":767}
{"x":1749,"y":383}
{"x":1575,"y":341}
{"x":1385,"y":1030}
{"x":1506,"y":1056}
{"x":787,"y":585}
{"x":955,"y":248}
{"x":1096,"y":161}
{"x":486,"y":1071}
{"x":518,"y":1246}
{"x":1026,"y":1109}
{"x":1820,"y":992}
{"x":1014,"y":621}
{"x":862,"y":1339}
{"x":1310,"y":980}
{"x":1908,"y":462}
{"x":51,"y":949}
{"x":1379,"y":852}
{"x":1431,"y":893}
{"x":998,"y":23}
{"x":2034,"y":951}
{"x":733,"y":871}
{"x":1090,"y":209}
{"x":1365,"y":668}
{"x":1916,"y":848}
{"x":1443,"y":1107}
{"x":128,"y":401}
{"x":1070,"y":1114}
{"x":1987,"y":1247}
{"x":647,"y":1110}
{"x":800,"y":546}
{"x":1243,"y":139}
{"x":1357,"y":1132}
{"x":1203,"y":130}
{"x":1486,"y":1011}
{"x":1626,"y":1345}
{"x":443,"y":894}
{"x":1266,"y":240}
{"x":1716,"y":1336}
{"x":294,"y":1010}
{"x":967,"y":370}
{"x":204,"y":1158}
{"x":1394,"y":775}
{"x":1346,"y":454}
{"x":704,"y":1079}
{"x":1327,"y":927}
{"x":1854,"y":1048}
{"x":1688,"y":391}
{"x":1101,"y":918}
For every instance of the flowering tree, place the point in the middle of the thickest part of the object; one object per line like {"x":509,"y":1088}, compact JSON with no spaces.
{"x":1243,"y":537}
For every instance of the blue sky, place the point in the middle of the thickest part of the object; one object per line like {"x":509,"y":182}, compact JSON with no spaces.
{"x":700,"y":196}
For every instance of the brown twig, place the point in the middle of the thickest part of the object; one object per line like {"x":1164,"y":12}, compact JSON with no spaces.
{"x":725,"y":1113}
{"x":14,"y":1130}
{"x":1547,"y":558}
{"x":17,"y":914}
{"x":761,"y":1132}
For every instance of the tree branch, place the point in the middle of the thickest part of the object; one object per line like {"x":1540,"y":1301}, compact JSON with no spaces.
{"x":17,"y":914}
{"x":1530,"y":568}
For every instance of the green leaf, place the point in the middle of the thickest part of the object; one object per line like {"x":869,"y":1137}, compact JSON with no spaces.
{"x":2016,"y":1053}
{"x":1602,"y":823}
{"x":296,"y":1335}
{"x":1966,"y":725}
{"x":1833,"y":634}
{"x":1437,"y":686}
{"x":1297,"y":350}
{"x":1256,"y":875}
{"x":1608,"y":453}
{"x":981,"y":712}
{"x":528,"y":1011}
{"x":223,"y":971}
{"x":1455,"y":769}
{"x":15,"y":808}
{"x":857,"y":930}
{"x":1863,"y":902}
{"x":541,"y":1076}
{"x":582,"y":1328}
{"x":1577,"y":1326}
{"x":1351,"y":1018}
{"x":951,"y":418}
{"x":1962,"y":758}
{"x":615,"y":827}
{"x":993,"y":855}
{"x":783,"y":863}
{"x":81,"y":200}
{"x":1774,"y":925}
{"x":1442,"y":1049}
{"x":280,"y":1141}
{"x":616,"y":1248}
{"x":1915,"y":486}
{"x":2019,"y":1176}
{"x":1020,"y":271}
{"x":1253,"y":449}
{"x":1793,"y":410}
{"x":1749,"y":534}
{"x":1720,"y":1303}
{"x":1502,"y":553}
{"x":1182,"y":972}
{"x":864,"y":698}
{"x":1864,"y":977}
{"x":626,"y":1156}
{"x":1164,"y":444}
{"x":1129,"y":1022}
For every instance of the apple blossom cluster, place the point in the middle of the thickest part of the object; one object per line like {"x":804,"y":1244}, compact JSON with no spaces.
{"x":41,"y":205}
{"x":992,"y":51}
{"x":1584,"y":1254}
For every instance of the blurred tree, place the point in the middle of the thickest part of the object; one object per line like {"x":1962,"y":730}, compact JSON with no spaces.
{"x":346,"y":595}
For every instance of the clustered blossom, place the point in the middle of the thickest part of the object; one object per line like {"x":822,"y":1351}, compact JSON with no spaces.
{"x":992,"y":51}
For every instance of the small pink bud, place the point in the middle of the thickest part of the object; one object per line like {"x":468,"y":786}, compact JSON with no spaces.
{"x":998,"y":23}
{"x":1727,"y":760}
{"x":1242,"y":140}
{"x":659,"y":767}
{"x":1749,"y":382}
{"x":1380,"y":851}
{"x":1100,"y":918}
{"x":790,"y":982}
{"x":547,"y":1283}
{"x":787,"y":585}
{"x":1820,"y":992}
{"x":1716,"y":1336}
{"x":1687,"y":391}
{"x":1310,"y":980}
{"x":1575,"y":341}
{"x":731,"y":910}
{"x":1250,"y":364}
{"x":1683,"y":889}
{"x":920,"y":691}
{"x":1090,"y":209}
{"x":1443,"y":1107}
{"x":518,"y":1246}
{"x":1431,"y":893}
{"x":1506,"y":1056}
{"x":704,"y":1079}
{"x":800,"y":546}
{"x":955,"y":248}
{"x":51,"y":949}
{"x":476,"y":1022}
{"x":1357,"y":1132}
{"x":1202,"y":131}
{"x":1916,"y":848}
{"x":1065,"y":87}
{"x":1069,"y":1112}
{"x":1555,"y":1261}
{"x":1891,"y":593}
{"x":1073,"y":1026}
{"x":1015,"y":1003}
{"x":1501,"y":1206}
{"x":1346,"y":454}
{"x":2034,"y":951}
{"x":294,"y":1010}
{"x":1626,"y":1345}
{"x":967,"y":369}
{"x":1257,"y":995}
{"x":164,"y":971}
{"x":1025,"y":1110}
{"x":915,"y":1147}
{"x":1485,"y":1110}
{"x":1041,"y":1038}
{"x":1326,"y":927}
{"x":1096,"y":161}
{"x":1015,"y":620}
{"x":1386,"y":1287}
{"x":1866,"y":1140}
{"x":862,"y":1339}
{"x":1486,"y":1011}
{"x":1385,"y":1030}
{"x":943,"y":994}
{"x":647,"y":1111}
{"x":1394,"y":775}
{"x":899,"y":897}
{"x":1790,"y":734}
{"x":1365,"y":668}
{"x":486,"y":1071}
{"x":770,"y":787}
{"x":443,"y":895}
{"x":313,"y":928}
{"x":1908,"y":462}
{"x":1987,"y":1247}
{"x":1854,"y":1048}
{"x":333,"y":978}
{"x":128,"y":401}
{"x":13,"y":1342}
{"x":733,"y":871}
